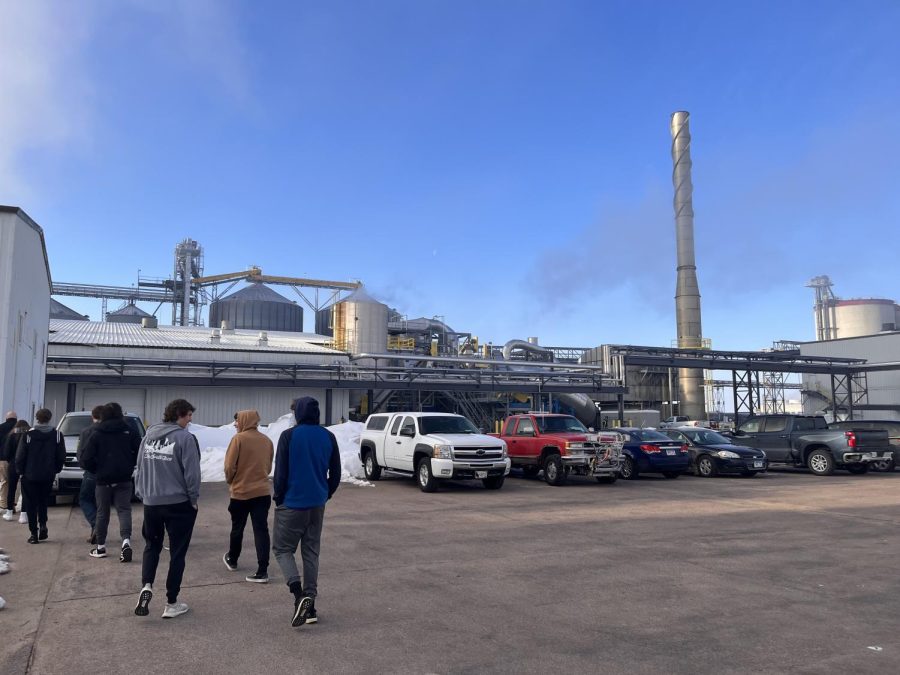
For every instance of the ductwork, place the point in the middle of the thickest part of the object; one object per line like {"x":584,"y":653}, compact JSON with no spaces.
{"x":524,"y":345}
{"x":687,"y":291}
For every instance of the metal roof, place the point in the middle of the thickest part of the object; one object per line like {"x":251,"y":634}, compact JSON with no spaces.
{"x":106,"y":334}
{"x":257,"y":293}
{"x":130,"y":310}
{"x":60,"y":311}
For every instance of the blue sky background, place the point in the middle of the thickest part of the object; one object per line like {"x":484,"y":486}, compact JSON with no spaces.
{"x":505,"y":165}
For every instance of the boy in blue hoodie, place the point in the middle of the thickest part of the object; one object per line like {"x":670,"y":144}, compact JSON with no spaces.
{"x":307,"y":472}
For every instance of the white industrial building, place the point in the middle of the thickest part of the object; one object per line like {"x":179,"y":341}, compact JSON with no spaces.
{"x":25,"y":286}
{"x":220,"y":371}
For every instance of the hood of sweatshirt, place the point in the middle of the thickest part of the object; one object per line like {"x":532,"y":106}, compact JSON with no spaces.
{"x":158,"y":431}
{"x":116,"y":425}
{"x":43,"y":428}
{"x":306,"y":410}
{"x":247,"y":419}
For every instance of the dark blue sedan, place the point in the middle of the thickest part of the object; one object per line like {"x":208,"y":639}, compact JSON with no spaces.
{"x":649,"y":451}
{"x":713,"y":454}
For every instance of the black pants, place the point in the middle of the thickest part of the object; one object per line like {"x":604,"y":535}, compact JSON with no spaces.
{"x":178,"y":520}
{"x":12,"y":480}
{"x":35,"y":497}
{"x":258,"y":510}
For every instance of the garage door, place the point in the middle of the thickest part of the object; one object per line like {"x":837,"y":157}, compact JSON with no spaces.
{"x":131,"y":400}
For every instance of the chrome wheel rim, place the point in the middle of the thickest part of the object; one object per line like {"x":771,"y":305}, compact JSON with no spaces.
{"x":369,"y":464}
{"x":818,"y":463}
{"x":423,"y":474}
{"x":550,"y":470}
{"x":705,"y":466}
{"x":626,"y":468}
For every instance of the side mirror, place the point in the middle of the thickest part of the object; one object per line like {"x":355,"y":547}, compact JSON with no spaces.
{"x":406,"y":431}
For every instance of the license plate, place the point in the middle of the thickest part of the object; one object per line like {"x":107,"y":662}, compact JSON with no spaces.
{"x":481,"y":474}
{"x":758,"y":464}
{"x":670,"y":452}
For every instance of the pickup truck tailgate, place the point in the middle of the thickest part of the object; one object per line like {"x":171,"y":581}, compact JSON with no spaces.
{"x":868,"y":439}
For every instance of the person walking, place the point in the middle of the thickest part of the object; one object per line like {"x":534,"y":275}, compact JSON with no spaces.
{"x":39,"y":458}
{"x":168,"y":482}
{"x":9,"y":451}
{"x":87,"y":499}
{"x":248,"y":462}
{"x":111,"y":455}
{"x":6,"y":428}
{"x":307,"y":473}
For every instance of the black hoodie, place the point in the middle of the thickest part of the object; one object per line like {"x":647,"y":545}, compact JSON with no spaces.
{"x":6,"y":428}
{"x":111,"y":451}
{"x":41,"y":454}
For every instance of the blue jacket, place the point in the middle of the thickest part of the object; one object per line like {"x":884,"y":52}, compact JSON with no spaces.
{"x":308,"y":461}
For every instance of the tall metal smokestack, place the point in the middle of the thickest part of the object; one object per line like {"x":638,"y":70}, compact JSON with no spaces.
{"x":687,"y":292}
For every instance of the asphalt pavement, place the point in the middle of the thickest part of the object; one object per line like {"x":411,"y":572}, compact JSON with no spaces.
{"x":785,"y":572}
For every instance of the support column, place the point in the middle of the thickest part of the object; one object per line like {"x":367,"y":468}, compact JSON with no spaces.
{"x":328,"y":396}
{"x":70,"y":397}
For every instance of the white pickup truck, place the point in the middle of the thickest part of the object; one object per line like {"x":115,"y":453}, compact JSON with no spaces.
{"x":431,"y":447}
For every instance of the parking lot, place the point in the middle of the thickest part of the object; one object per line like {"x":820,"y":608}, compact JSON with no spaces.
{"x":784,"y":572}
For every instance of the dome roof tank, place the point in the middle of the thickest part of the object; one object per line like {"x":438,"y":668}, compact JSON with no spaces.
{"x":359,"y":323}
{"x":257,"y":307}
{"x":130,"y":313}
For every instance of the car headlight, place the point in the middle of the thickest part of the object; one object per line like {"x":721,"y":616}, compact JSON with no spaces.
{"x":504,"y":451}
{"x":574,"y":445}
{"x":727,"y":454}
{"x":443,"y":451}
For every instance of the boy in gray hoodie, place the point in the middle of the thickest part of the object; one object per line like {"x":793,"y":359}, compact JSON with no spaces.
{"x":168,"y":482}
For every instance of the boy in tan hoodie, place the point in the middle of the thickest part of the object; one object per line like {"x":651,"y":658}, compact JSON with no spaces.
{"x":248,"y":462}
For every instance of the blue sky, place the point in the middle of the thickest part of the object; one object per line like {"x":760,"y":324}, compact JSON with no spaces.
{"x":505,"y":165}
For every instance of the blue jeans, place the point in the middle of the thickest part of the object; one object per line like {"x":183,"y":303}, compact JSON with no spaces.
{"x":86,"y":499}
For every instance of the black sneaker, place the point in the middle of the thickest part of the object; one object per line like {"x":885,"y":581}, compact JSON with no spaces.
{"x":301,"y":610}
{"x":258,"y":578}
{"x":125,"y":555}
{"x":229,"y":563}
{"x":143,"y":606}
{"x":33,"y":539}
{"x":311,"y":616}
{"x":98,"y":552}
{"x":43,"y":535}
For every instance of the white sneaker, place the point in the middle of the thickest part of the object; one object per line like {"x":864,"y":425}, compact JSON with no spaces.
{"x":177,"y":609}
{"x":23,"y":518}
{"x":8,"y":515}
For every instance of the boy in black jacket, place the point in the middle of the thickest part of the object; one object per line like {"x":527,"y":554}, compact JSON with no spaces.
{"x":111,"y":455}
{"x":39,"y":458}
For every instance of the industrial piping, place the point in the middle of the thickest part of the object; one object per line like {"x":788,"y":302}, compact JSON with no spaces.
{"x":687,"y":292}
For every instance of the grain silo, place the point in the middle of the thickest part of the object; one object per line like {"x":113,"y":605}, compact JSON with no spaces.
{"x":130,"y":313}
{"x":257,"y":307}
{"x":359,"y":324}
{"x":864,"y":316}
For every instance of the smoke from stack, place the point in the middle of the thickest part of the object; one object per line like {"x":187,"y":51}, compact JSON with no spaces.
{"x":687,"y":292}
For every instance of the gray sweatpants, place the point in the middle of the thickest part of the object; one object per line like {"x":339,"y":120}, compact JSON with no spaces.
{"x":120,"y":495}
{"x":303,"y":527}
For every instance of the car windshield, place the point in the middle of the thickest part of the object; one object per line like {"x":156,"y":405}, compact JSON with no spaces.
{"x":441,"y":424}
{"x":706,"y":437}
{"x":74,"y":425}
{"x":649,"y":435}
{"x":563,"y":424}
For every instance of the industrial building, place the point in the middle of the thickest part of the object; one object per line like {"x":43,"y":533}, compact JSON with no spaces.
{"x":25,"y":286}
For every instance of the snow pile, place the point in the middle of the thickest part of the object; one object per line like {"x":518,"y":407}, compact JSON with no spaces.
{"x":214,"y":442}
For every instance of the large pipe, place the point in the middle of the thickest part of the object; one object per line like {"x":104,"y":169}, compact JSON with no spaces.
{"x":687,"y":292}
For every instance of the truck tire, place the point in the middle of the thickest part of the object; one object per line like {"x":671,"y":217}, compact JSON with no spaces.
{"x":493,"y":482}
{"x":883,"y":465}
{"x":706,"y":467}
{"x":426,"y":479}
{"x":370,"y":467}
{"x":554,"y":472}
{"x":820,"y":462}
{"x":531,"y":471}
{"x":609,"y":480}
{"x":628,"y":471}
{"x":858,"y":469}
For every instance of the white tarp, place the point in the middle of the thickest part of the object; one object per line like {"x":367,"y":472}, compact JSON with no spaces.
{"x":214,"y":441}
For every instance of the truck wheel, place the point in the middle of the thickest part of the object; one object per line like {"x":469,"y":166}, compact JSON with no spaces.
{"x":706,"y":467}
{"x":628,"y":471}
{"x":883,"y":465}
{"x":425,"y":477}
{"x":371,"y":468}
{"x":858,"y":468}
{"x":531,"y":471}
{"x":609,"y":480}
{"x":671,"y":474}
{"x":820,"y":462}
{"x":554,"y":473}
{"x":493,"y":483}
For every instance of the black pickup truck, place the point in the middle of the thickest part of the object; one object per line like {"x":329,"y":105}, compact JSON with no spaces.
{"x":801,"y":440}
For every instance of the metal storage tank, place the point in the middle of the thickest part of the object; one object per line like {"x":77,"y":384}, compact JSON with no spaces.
{"x":257,"y":307}
{"x":360,"y":324}
{"x":867,"y":316}
{"x":130,"y":313}
{"x":60,"y":311}
{"x":324,"y":324}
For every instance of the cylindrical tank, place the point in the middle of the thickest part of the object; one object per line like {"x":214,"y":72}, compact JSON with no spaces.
{"x":257,"y":307}
{"x":864,"y":317}
{"x":324,"y":324}
{"x":360,"y":324}
{"x":128,"y":314}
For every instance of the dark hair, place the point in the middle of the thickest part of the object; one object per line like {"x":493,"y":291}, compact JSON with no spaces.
{"x":21,"y":425}
{"x":177,"y":409}
{"x":111,"y":411}
{"x":97,"y":412}
{"x":43,"y":416}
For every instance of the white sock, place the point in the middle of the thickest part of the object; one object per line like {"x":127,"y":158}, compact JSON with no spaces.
{"x":147,"y":587}
{"x":126,"y":542}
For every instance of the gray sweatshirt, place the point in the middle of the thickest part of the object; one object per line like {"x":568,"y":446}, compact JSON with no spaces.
{"x":168,"y":468}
